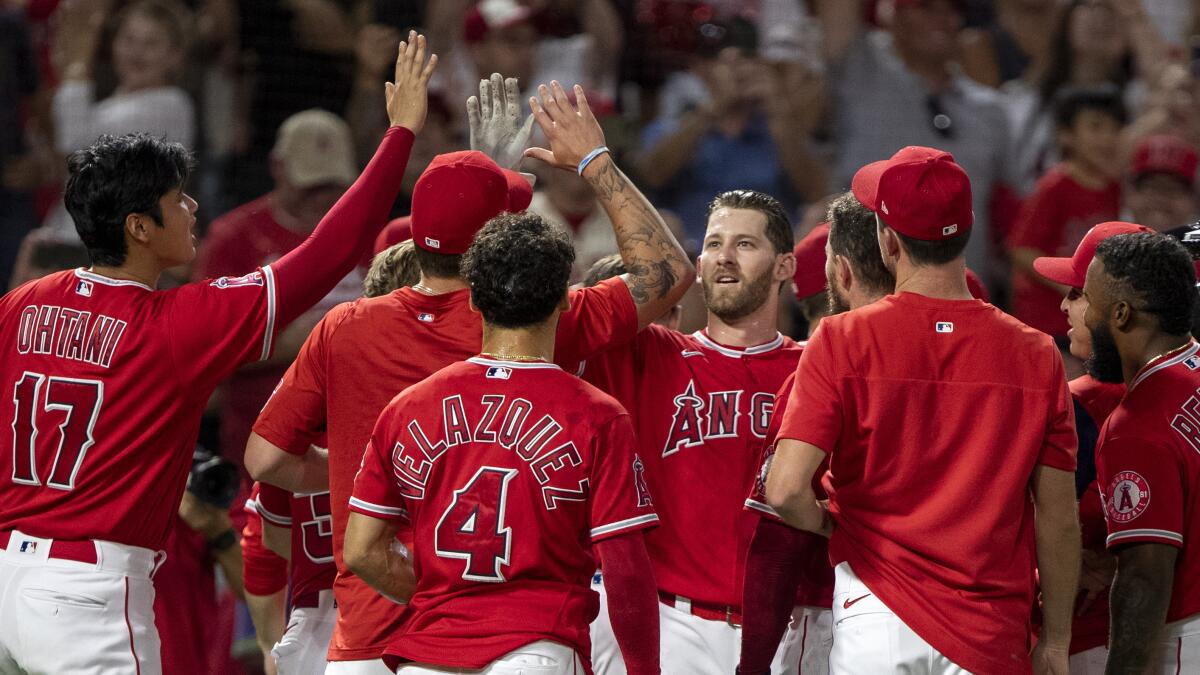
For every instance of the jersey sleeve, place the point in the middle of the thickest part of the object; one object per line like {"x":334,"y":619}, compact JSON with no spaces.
{"x":274,"y":505}
{"x":600,"y":317}
{"x":1143,"y":492}
{"x":1061,"y":444}
{"x":620,"y":499}
{"x":263,"y":572}
{"x":376,"y":493}
{"x":814,"y":410}
{"x":295,"y":414}
{"x":217,"y":325}
{"x":757,"y":501}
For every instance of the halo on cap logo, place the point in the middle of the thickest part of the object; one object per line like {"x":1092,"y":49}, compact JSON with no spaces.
{"x":1128,"y":497}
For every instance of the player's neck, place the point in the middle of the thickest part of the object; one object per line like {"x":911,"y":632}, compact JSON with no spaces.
{"x":520,"y":344}
{"x":1156,"y":345}
{"x":143,"y":272}
{"x":439,"y":285}
{"x":756,"y":328}
{"x":944,"y":282}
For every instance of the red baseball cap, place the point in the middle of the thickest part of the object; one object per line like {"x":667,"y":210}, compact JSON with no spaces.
{"x":809,"y":278}
{"x":393,"y":233}
{"x":458,"y":194}
{"x":919,"y":192}
{"x":1164,"y":153}
{"x":1072,"y":271}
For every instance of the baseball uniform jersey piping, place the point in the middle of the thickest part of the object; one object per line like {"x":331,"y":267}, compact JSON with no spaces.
{"x":376,"y":508}
{"x":107,"y":281}
{"x":484,"y":361}
{"x":273,"y":518}
{"x":1174,"y":537}
{"x":272,"y":305}
{"x":1149,"y":369}
{"x":774,"y":344}
{"x":624,"y":524}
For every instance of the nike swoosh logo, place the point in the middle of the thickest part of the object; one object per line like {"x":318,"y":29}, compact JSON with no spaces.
{"x":846,"y":604}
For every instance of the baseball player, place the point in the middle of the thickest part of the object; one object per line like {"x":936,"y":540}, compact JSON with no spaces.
{"x":701,"y":404}
{"x":1140,"y":290}
{"x":297,"y":527}
{"x":1094,"y":401}
{"x":265,"y":576}
{"x":107,"y":379}
{"x":514,"y":476}
{"x":938,"y":449}
{"x":783,"y":563}
{"x":350,"y":368}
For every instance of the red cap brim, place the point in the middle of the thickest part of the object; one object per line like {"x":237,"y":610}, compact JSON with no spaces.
{"x":1058,"y":270}
{"x":520,"y":192}
{"x":865,"y":185}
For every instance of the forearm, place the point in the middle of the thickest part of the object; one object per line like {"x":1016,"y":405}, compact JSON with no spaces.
{"x":296,"y":473}
{"x":230,"y":561}
{"x":632,"y":601}
{"x":388,"y":571}
{"x":659,"y":271}
{"x":768,"y":592}
{"x":309,"y":272}
{"x":661,"y":163}
{"x":1058,"y":558}
{"x":1139,"y":600}
{"x":267,"y":615}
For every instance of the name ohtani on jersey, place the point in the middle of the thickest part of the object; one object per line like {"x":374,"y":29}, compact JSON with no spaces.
{"x":697,"y":420}
{"x":69,"y":334}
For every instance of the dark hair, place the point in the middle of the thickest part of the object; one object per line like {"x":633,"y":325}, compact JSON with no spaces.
{"x":852,"y":234}
{"x":923,"y":252}
{"x":438,"y":265}
{"x":1102,"y":98}
{"x":1058,"y":68}
{"x":779,"y":227}
{"x":607,"y":267}
{"x":1158,"y":271}
{"x":518,"y":269}
{"x":117,"y":176}
{"x":815,"y":307}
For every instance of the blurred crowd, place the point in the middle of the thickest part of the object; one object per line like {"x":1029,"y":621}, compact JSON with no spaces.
{"x":1065,"y":113}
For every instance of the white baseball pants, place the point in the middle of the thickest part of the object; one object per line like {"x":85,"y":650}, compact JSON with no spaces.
{"x":538,"y":658}
{"x":302,"y":649}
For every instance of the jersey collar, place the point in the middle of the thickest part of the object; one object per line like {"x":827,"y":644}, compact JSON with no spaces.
{"x":1167,"y":360}
{"x":108,"y":281}
{"x":735,"y":353}
{"x":485,"y":361}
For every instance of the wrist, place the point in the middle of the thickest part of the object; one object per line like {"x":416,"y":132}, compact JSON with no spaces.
{"x":594,"y":160}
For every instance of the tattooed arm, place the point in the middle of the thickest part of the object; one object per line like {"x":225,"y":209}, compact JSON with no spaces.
{"x":659,"y":270}
{"x":1140,"y":596}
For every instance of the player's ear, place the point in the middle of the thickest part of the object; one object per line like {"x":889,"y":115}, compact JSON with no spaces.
{"x":843,"y":273}
{"x":1122,"y":315}
{"x":137,"y":227}
{"x":785,"y":266}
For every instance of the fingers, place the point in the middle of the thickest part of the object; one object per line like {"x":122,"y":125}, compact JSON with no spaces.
{"x":560,"y":96}
{"x":585,"y":110}
{"x":404,"y":56}
{"x":539,"y":113}
{"x":418,"y":62}
{"x":473,"y":117}
{"x":429,"y":68}
{"x":540,"y":154}
{"x":496,"y":84}
{"x":512,"y":99}
{"x":485,"y":99}
{"x":553,"y":109}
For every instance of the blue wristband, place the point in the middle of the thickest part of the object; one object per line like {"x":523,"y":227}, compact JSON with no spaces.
{"x":590,"y":156}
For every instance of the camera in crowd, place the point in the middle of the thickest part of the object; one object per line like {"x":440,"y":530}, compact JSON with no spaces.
{"x":214,"y":480}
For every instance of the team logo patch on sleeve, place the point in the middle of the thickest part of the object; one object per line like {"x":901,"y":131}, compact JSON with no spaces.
{"x":251,"y":279}
{"x":1128,"y":497}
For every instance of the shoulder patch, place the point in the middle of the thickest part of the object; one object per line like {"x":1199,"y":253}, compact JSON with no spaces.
{"x":1128,"y":497}
{"x":252,"y":279}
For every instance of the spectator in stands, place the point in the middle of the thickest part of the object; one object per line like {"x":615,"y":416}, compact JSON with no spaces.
{"x":1161,"y":193}
{"x":1082,"y":190}
{"x":899,"y":87}
{"x":20,"y":171}
{"x":566,"y":200}
{"x":733,"y":120}
{"x":312,"y":164}
{"x":1017,"y":41}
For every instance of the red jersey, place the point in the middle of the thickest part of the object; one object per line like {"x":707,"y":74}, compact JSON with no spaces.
{"x":816,"y":584}
{"x":108,"y":380}
{"x":915,"y":404}
{"x":1149,"y":469}
{"x":701,"y":411}
{"x":243,"y":239}
{"x":353,"y":364}
{"x":308,"y":517}
{"x":263,"y":572}
{"x":1053,"y":221}
{"x":507,"y":473}
{"x":1098,"y":399}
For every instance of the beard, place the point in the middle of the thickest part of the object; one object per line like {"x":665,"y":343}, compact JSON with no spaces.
{"x":1105,"y":363}
{"x":731,"y":306}
{"x":837,"y":302}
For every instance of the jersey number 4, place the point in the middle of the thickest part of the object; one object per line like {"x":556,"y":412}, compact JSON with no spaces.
{"x":472,"y":528}
{"x":43,"y":403}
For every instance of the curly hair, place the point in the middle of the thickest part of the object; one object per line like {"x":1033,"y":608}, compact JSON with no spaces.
{"x":852,"y":234}
{"x":117,"y":176}
{"x":392,"y":268}
{"x":1154,"y":273}
{"x":518,"y":269}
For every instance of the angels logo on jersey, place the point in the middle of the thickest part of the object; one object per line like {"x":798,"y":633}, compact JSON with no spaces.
{"x":1128,"y":497}
{"x":696,"y":420}
{"x":760,"y":481}
{"x":639,"y":482}
{"x":252,"y":279}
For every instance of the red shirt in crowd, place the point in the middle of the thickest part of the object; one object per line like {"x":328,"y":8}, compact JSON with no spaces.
{"x":1052,"y":222}
{"x":701,"y":411}
{"x":1148,"y":465}
{"x":507,"y":472}
{"x":356,"y":360}
{"x":915,"y":406}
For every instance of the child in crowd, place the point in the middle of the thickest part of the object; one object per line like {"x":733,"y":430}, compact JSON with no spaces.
{"x":1162,"y":190}
{"x":1082,"y":190}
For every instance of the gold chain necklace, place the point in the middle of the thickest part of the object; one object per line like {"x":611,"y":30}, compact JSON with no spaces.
{"x":511,"y":357}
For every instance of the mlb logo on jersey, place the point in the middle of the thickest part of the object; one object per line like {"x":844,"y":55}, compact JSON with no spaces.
{"x":251,"y":279}
{"x":1193,"y":363}
{"x":499,"y":373}
{"x":84,"y":288}
{"x":29,"y":547}
{"x":425,"y":316}
{"x":944,"y":327}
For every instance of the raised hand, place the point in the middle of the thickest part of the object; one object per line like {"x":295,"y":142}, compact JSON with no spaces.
{"x":495,"y":121}
{"x":573,"y":131}
{"x":408,"y":94}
